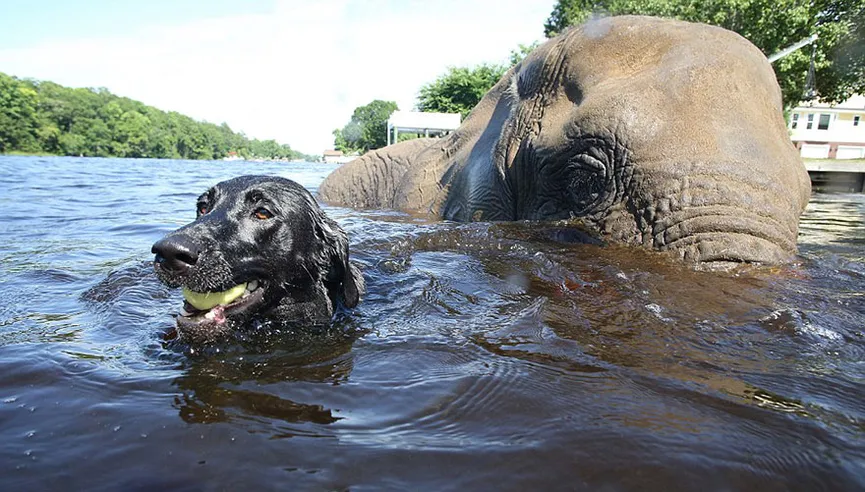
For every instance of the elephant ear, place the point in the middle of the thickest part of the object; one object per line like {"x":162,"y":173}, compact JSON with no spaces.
{"x":343,"y":279}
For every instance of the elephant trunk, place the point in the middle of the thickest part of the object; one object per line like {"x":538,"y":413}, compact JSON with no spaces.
{"x":729,"y":215}
{"x":722,"y":233}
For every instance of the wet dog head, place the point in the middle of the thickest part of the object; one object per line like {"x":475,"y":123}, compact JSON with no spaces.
{"x":260,"y":248}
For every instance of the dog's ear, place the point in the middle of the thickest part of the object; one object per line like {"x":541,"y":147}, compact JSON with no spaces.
{"x":343,"y":278}
{"x":352,"y":286}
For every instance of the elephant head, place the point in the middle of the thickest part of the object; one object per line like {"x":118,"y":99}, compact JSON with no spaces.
{"x":652,"y":132}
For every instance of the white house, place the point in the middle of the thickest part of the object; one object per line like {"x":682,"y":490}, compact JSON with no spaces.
{"x":824,"y":131}
{"x":430,"y":124}
{"x":336,"y":157}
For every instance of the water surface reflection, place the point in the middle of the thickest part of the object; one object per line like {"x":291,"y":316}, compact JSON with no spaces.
{"x":506,"y":356}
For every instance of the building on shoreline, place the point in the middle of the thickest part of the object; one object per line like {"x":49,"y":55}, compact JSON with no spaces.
{"x":829,"y":131}
{"x":336,"y":157}
{"x":422,"y":124}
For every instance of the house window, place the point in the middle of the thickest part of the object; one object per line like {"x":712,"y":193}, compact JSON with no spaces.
{"x":795,"y":122}
{"x":824,"y":122}
{"x":810,"y":124}
{"x":855,"y":121}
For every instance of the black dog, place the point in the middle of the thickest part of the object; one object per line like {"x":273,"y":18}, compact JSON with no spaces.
{"x":260,"y":248}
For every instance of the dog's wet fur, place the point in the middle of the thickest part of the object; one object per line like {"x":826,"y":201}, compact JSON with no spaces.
{"x":268,"y":232}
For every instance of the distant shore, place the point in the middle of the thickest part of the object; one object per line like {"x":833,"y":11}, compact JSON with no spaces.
{"x":16,"y":153}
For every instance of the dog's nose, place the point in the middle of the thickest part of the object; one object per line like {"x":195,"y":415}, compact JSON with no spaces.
{"x":175,"y":253}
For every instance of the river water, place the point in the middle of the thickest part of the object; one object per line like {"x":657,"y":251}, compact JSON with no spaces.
{"x":483,"y":356}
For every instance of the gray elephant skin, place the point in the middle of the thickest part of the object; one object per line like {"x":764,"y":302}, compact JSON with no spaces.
{"x":652,"y":132}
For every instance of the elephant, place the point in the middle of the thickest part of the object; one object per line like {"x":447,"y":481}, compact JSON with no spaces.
{"x":659,"y":133}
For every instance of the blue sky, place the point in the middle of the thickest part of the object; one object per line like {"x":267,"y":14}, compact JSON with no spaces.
{"x":291,"y":70}
{"x":27,"y":22}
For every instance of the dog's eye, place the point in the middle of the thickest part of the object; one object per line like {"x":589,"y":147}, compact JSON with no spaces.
{"x":262,"y":213}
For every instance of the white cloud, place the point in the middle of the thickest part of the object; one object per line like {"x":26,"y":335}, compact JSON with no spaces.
{"x":296,"y":73}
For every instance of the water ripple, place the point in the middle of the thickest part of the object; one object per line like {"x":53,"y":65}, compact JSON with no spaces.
{"x":516,"y":355}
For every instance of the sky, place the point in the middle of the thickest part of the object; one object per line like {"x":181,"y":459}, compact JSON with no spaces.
{"x":290,"y":70}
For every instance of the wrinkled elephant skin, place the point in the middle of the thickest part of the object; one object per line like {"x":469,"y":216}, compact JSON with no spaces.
{"x":650,"y":132}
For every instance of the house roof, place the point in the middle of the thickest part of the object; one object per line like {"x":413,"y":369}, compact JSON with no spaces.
{"x":855,"y":103}
{"x":409,"y":120}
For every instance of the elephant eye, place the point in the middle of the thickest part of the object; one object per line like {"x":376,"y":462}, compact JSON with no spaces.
{"x":262,"y":213}
{"x":588,"y":183}
{"x":202,"y":209}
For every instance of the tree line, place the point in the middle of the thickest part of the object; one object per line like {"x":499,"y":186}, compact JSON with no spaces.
{"x":457,"y":91}
{"x":771,"y":25}
{"x":42,"y":117}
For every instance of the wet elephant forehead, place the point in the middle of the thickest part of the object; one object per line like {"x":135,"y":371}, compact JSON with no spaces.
{"x":620,"y":51}
{"x":694,"y":102}
{"x":654,"y":80}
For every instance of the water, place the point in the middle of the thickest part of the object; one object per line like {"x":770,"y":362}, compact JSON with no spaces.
{"x":504,"y":356}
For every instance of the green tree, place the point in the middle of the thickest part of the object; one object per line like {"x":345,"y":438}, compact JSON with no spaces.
{"x":130,"y":135}
{"x":340,"y":142}
{"x":19,"y":121}
{"x":459,"y":90}
{"x":771,"y":25}
{"x":367,"y":129}
{"x":46,"y":117}
{"x":522,"y":51}
{"x":72,"y":144}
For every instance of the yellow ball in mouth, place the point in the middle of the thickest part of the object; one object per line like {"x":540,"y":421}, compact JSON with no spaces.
{"x":208,"y":300}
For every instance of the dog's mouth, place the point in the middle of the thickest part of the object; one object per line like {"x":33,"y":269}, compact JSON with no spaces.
{"x":203,"y":309}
